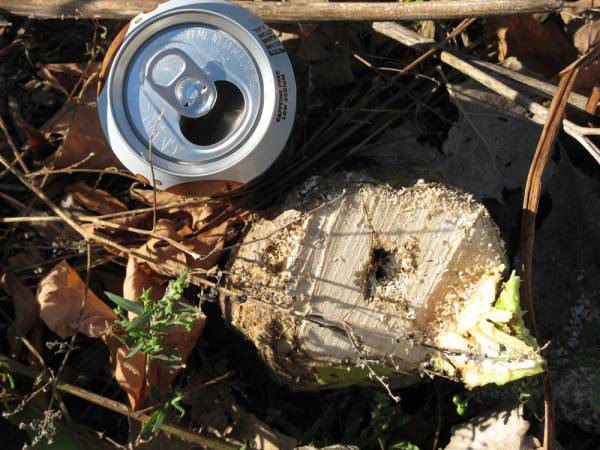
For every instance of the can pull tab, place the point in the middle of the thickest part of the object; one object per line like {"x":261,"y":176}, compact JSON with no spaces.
{"x":190,"y":92}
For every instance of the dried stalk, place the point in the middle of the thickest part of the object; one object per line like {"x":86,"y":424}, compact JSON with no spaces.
{"x":120,"y":408}
{"x":12,"y":146}
{"x":70,"y":220}
{"x":531,"y":200}
{"x":459,"y":62}
{"x":530,"y":84}
{"x":153,"y":234}
{"x":292,"y":12}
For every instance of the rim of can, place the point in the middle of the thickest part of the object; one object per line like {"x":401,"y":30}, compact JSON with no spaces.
{"x":263,"y":141}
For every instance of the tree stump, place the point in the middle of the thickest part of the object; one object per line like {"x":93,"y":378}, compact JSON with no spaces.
{"x":350,"y":280}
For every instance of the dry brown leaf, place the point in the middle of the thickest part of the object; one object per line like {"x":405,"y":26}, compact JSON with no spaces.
{"x":184,"y":341}
{"x":77,"y":121}
{"x":171,"y":258}
{"x":138,"y":278}
{"x":143,"y":221}
{"x":36,"y":142}
{"x":95,"y":199}
{"x":541,"y":47}
{"x":26,"y":309}
{"x":588,"y":77}
{"x":199,"y":213}
{"x":64,"y":76}
{"x":207,"y":244}
{"x":128,"y":372}
{"x":60,"y":296}
{"x":587,"y":36}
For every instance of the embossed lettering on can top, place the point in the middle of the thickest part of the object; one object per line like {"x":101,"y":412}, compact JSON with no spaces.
{"x":202,"y":89}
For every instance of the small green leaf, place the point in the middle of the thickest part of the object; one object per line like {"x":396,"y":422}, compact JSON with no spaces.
{"x":135,"y":349}
{"x":160,"y":418}
{"x":176,"y":403}
{"x":461,"y":404}
{"x":139,"y":321}
{"x":509,"y":300}
{"x":153,"y":424}
{"x":125,"y":304}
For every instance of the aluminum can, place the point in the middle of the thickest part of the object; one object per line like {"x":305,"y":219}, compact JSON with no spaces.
{"x":196,"y":90}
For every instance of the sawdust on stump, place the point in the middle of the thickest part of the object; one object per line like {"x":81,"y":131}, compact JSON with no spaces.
{"x":356,"y":280}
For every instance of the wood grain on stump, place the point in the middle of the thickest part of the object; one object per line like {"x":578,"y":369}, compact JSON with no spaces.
{"x":356,"y":279}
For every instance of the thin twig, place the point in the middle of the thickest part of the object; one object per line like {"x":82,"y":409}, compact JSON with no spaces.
{"x":459,"y":62}
{"x":120,"y":408}
{"x":153,"y":234}
{"x":73,"y":224}
{"x":457,"y":30}
{"x":131,"y":212}
{"x":71,"y":170}
{"x":12,"y":146}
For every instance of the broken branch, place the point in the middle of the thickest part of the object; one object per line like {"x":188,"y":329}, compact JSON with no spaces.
{"x":292,"y":12}
{"x":462,"y":63}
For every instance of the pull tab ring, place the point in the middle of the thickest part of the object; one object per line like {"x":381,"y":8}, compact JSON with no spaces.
{"x":191,"y":92}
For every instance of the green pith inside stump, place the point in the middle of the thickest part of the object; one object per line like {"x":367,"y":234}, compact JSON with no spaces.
{"x":358,"y":281}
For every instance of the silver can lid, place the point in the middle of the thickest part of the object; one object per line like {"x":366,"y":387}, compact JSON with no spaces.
{"x":203,"y":90}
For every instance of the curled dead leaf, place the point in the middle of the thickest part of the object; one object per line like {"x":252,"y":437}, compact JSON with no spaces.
{"x":95,"y":199}
{"x":207,"y":244}
{"x":199,"y":212}
{"x":138,"y":278}
{"x":64,"y":76}
{"x":541,"y":47}
{"x":60,"y":296}
{"x":77,"y":122}
{"x":184,"y":342}
{"x":587,"y":36}
{"x":128,"y":372}
{"x":26,"y":309}
{"x":174,"y":260}
{"x":170,"y":258}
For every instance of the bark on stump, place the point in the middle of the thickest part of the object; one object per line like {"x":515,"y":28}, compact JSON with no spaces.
{"x":352,"y":280}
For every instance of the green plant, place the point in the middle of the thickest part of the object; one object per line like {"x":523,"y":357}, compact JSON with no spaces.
{"x":158,"y":416}
{"x":146,"y":332}
{"x":386,"y":418}
{"x":461,"y":403}
{"x":6,"y":379}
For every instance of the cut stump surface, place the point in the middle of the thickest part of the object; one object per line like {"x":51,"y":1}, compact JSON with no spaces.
{"x":357,"y":280}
